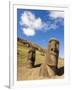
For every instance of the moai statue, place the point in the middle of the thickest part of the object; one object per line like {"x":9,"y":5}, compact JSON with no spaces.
{"x":49,"y":67}
{"x":30,"y":58}
{"x":52,"y":53}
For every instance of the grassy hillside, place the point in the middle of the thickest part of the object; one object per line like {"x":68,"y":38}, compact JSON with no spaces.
{"x":22,"y":54}
{"x":22,"y":49}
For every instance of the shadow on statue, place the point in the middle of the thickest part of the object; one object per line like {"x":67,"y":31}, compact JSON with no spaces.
{"x":60,"y":71}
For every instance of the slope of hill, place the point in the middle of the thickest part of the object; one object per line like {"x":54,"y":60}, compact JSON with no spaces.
{"x":30,"y":44}
{"x":22,"y":49}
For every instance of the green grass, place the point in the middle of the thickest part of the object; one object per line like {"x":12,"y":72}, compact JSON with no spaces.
{"x":39,"y":58}
{"x":30,"y":74}
{"x":22,"y":55}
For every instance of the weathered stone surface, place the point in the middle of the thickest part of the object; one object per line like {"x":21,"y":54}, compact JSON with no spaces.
{"x":52,"y":53}
{"x":30,"y":58}
{"x":49,"y":67}
{"x":39,"y":71}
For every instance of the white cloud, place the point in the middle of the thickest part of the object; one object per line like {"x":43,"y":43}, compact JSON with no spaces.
{"x":56,"y":14}
{"x":28,"y":32}
{"x":31,"y":23}
{"x":38,"y":24}
{"x":53,"y":26}
{"x":57,"y":19}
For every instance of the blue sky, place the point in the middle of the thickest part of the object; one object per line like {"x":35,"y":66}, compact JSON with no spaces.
{"x":39,"y":26}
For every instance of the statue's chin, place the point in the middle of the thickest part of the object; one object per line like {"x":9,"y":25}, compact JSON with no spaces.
{"x":52,"y":60}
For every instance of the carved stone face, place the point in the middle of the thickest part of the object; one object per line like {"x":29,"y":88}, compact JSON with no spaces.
{"x":53,"y":52}
{"x":31,"y":57}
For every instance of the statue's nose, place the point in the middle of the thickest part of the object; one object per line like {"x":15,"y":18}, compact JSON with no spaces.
{"x":53,"y":49}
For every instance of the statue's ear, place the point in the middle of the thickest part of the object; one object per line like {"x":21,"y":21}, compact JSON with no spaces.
{"x":57,"y":46}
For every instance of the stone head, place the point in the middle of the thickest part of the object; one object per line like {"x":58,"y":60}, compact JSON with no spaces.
{"x":31,"y":58}
{"x":53,"y":52}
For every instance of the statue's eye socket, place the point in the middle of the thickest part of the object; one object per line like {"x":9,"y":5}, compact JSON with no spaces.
{"x":51,"y":49}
